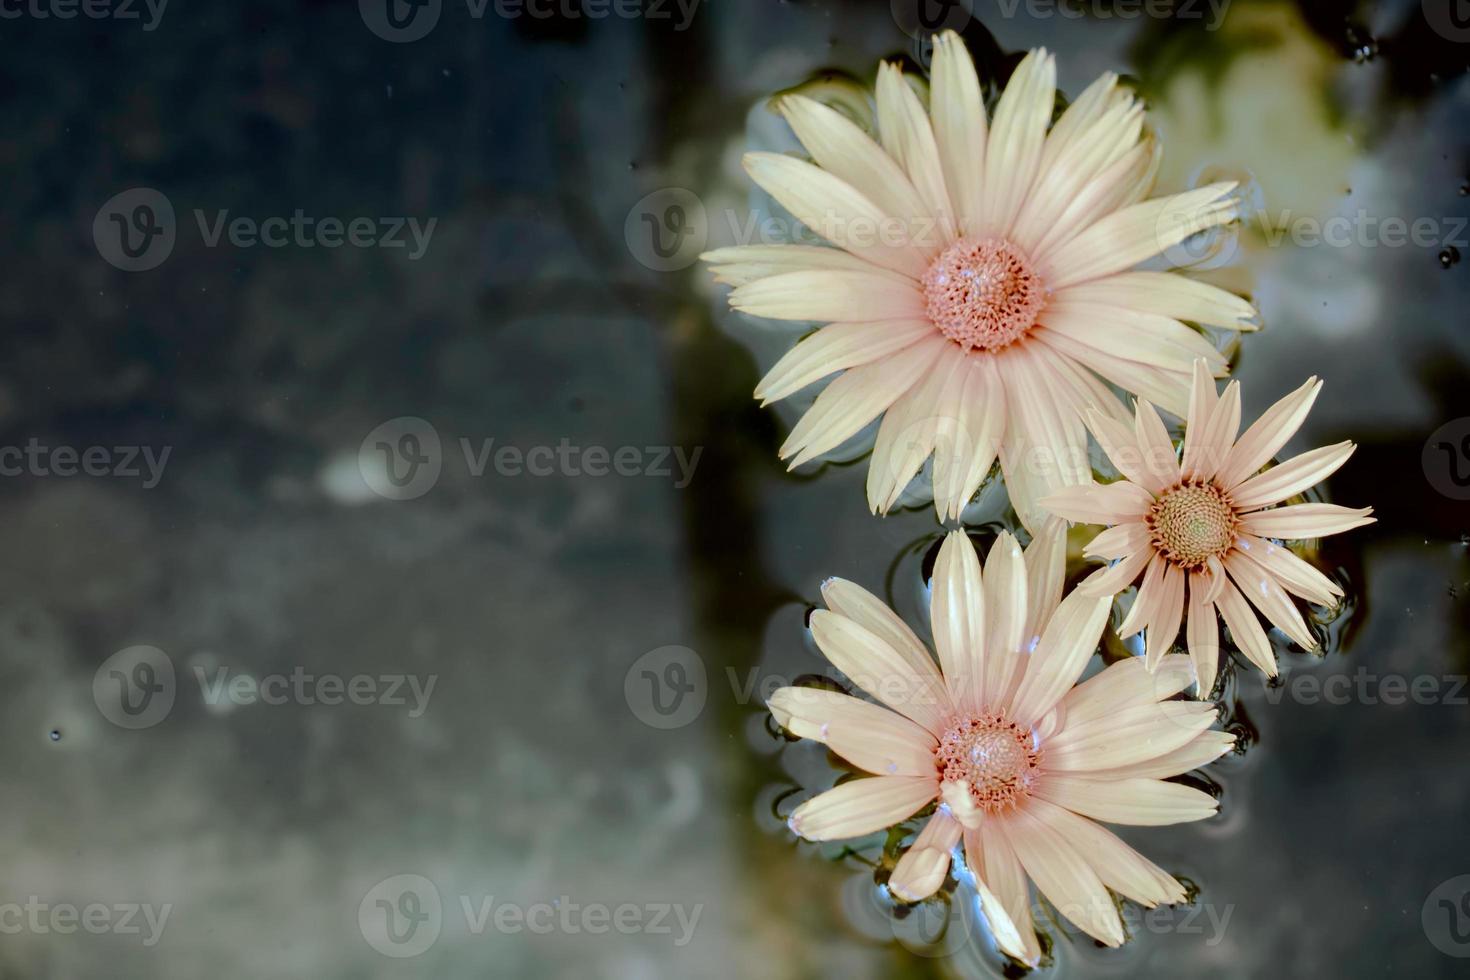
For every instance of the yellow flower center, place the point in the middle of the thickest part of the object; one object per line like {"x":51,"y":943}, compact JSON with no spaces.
{"x":983,"y":294}
{"x":1192,"y":523}
{"x":996,"y":757}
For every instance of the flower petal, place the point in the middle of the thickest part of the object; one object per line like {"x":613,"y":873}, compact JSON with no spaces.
{"x":829,"y":294}
{"x":1135,"y":802}
{"x":1245,"y":629}
{"x":1295,"y":575}
{"x":737,"y":265}
{"x":1070,"y":640}
{"x":1167,"y":294}
{"x":1127,"y":736}
{"x":1005,"y":617}
{"x":1269,"y":433}
{"x":1120,"y":502}
{"x":1291,"y":477}
{"x":1202,"y":633}
{"x":1163,"y":626}
{"x":1204,"y":749}
{"x":914,"y":427}
{"x":1117,"y":576}
{"x":1118,"y":866}
{"x":904,"y":128}
{"x":875,"y":667}
{"x":862,"y":806}
{"x":1125,"y":684}
{"x":840,"y":147}
{"x":1135,"y":233}
{"x":957,"y":612}
{"x":870,"y":737}
{"x":857,"y":397}
{"x":1266,"y":594}
{"x":835,"y":210}
{"x":1017,"y":134}
{"x":1063,"y":875}
{"x":958,"y":108}
{"x":1000,"y":877}
{"x":924,"y":866}
{"x":852,"y":601}
{"x":1298,"y":521}
{"x":837,"y":347}
{"x":1046,"y":569}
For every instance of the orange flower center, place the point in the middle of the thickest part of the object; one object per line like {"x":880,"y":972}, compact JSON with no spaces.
{"x":1192,"y":523}
{"x":983,"y":294}
{"x":995,"y":756}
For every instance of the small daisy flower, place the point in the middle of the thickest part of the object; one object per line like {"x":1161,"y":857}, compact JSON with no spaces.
{"x":1206,"y":531}
{"x":984,"y":283}
{"x":1020,"y":762}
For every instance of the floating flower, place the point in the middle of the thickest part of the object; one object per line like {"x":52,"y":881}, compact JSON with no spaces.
{"x":1020,"y":761}
{"x":1210,"y":522}
{"x":984,"y":284}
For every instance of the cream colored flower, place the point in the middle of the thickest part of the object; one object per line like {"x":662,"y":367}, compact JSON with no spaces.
{"x":983,"y":286}
{"x":1210,"y":522}
{"x":1020,"y":761}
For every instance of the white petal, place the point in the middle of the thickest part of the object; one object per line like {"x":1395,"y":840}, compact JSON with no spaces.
{"x":870,"y":737}
{"x":862,"y":806}
{"x":837,"y":347}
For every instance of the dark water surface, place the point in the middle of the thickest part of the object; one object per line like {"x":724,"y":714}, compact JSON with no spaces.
{"x":465,"y":676}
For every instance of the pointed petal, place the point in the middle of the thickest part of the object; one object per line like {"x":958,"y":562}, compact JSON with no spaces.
{"x":835,"y":210}
{"x":1070,"y":640}
{"x":838,"y":347}
{"x":1245,"y":629}
{"x":1298,"y":521}
{"x":1204,"y":749}
{"x":1291,"y":477}
{"x":1266,"y":594}
{"x":1063,"y":875}
{"x":1167,"y":294}
{"x":1017,"y":135}
{"x":1295,"y":575}
{"x":1118,"y":866}
{"x":1125,"y":684}
{"x":1163,"y":628}
{"x":1269,"y":433}
{"x":1135,"y":802}
{"x":1120,"y":502}
{"x":907,"y":135}
{"x":1128,"y":736}
{"x":737,"y":265}
{"x":1005,"y":617}
{"x":958,"y":108}
{"x":1202,"y":632}
{"x":996,"y":867}
{"x":852,"y":601}
{"x":882,"y":672}
{"x":1117,"y":576}
{"x":829,"y":294}
{"x":957,"y":611}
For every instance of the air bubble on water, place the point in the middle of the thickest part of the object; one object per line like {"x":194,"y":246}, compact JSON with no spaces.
{"x":1449,"y":256}
{"x":55,"y":734}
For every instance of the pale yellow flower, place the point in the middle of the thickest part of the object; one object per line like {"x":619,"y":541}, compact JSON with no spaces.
{"x":1211,"y":521}
{"x":984,"y":283}
{"x":1020,"y":761}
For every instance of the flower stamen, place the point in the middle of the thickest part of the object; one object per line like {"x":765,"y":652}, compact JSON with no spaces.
{"x":996,"y":757}
{"x":983,"y":294}
{"x":1191,"y":523}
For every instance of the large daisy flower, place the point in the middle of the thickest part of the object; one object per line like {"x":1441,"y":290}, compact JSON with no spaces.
{"x":1019,"y":760}
{"x":983,"y":283}
{"x":1210,"y":522}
